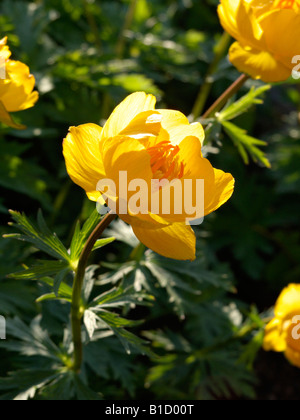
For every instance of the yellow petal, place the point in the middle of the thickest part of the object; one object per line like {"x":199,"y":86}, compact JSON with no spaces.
{"x":17,"y":93}
{"x":239,"y":20}
{"x":227,"y":11}
{"x":218,"y":186}
{"x":222,"y":191}
{"x":282,"y":33}
{"x":126,"y":154}
{"x":124,"y":113}
{"x":123,"y":153}
{"x":176,"y":241}
{"x":144,"y":125}
{"x":288,"y":303}
{"x":4,"y":49}
{"x":6,"y":119}
{"x":293,"y":356}
{"x":177,"y":127}
{"x":258,"y":64}
{"x":83,"y":159}
{"x":292,"y":352}
{"x":275,"y":338}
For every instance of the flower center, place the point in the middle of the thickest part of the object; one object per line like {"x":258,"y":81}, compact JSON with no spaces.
{"x":165,"y":162}
{"x":287,"y":4}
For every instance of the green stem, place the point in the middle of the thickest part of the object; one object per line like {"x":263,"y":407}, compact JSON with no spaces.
{"x":220,"y":51}
{"x":93,"y":25}
{"x":222,"y":100}
{"x":138,"y":253}
{"x":120,"y":47}
{"x":77,"y":311}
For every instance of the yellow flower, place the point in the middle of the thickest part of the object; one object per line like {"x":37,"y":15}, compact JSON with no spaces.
{"x":16,"y":88}
{"x":267,"y":34}
{"x":149,"y":145}
{"x":283,"y":332}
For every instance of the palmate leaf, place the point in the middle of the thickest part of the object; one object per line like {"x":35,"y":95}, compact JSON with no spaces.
{"x":40,"y":236}
{"x":119,"y":297}
{"x":66,"y":261}
{"x":23,"y":385}
{"x":43,"y":269}
{"x":246,"y":144}
{"x":183,"y":281}
{"x":98,"y":319}
{"x":47,"y":373}
{"x":128,"y":339}
{"x":81,"y":236}
{"x":53,"y":385}
{"x":107,"y":359}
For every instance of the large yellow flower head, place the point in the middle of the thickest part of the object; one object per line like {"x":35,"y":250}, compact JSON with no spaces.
{"x":16,"y":86}
{"x":267,"y":34}
{"x":147,"y":144}
{"x":283,"y":332}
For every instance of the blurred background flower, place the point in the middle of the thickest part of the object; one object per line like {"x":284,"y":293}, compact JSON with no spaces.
{"x":267,"y":34}
{"x":16,"y":87}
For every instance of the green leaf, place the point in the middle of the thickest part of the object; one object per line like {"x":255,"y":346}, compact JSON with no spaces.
{"x":83,"y":392}
{"x":243,"y":104}
{"x":246,"y":145}
{"x":63,"y":293}
{"x":123,"y":232}
{"x":81,"y":236}
{"x":23,"y":385}
{"x":89,"y":281}
{"x":118,"y":297}
{"x":54,"y":296}
{"x":40,"y":237}
{"x":90,"y":322}
{"x":59,"y":278}
{"x":103,"y":242}
{"x":30,"y":340}
{"x":44,"y":269}
{"x":129,"y":340}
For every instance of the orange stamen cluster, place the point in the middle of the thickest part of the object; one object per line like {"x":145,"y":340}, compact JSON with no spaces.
{"x":164,"y":161}
{"x":287,"y":4}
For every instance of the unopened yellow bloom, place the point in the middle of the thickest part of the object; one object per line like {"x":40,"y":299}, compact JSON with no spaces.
{"x":283,"y":332}
{"x":148,"y":145}
{"x":16,"y":86}
{"x":267,"y":34}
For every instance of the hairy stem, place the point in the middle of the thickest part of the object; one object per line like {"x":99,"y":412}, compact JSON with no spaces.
{"x":221,"y":101}
{"x":77,"y":311}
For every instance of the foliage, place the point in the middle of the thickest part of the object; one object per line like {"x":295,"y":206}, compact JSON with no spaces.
{"x":153,"y":328}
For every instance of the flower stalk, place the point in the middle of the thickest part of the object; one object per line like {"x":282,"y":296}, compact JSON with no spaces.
{"x":77,"y":310}
{"x":221,"y":101}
